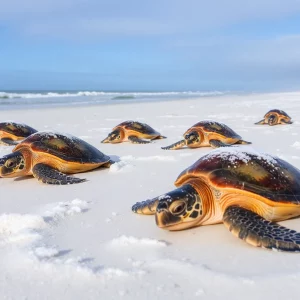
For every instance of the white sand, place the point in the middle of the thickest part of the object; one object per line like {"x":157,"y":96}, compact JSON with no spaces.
{"x":83,"y":242}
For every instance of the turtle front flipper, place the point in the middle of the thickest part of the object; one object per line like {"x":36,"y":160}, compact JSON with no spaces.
{"x":136,"y":140}
{"x":262,"y":122}
{"x":175,"y":146}
{"x":49,"y":175}
{"x":147,"y":207}
{"x":217,"y":144}
{"x":259,"y":232}
{"x":8,"y":142}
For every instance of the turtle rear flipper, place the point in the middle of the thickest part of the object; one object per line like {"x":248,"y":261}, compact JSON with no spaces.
{"x":136,"y":140}
{"x":217,"y":144}
{"x":108,"y":164}
{"x":8,"y":142}
{"x":259,"y":232}
{"x":242,"y":142}
{"x":286,"y":122}
{"x":49,"y":175}
{"x":147,"y":207}
{"x":262,"y":122}
{"x":175,"y":146}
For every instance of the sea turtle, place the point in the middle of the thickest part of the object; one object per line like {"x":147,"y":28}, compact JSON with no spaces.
{"x":274,"y":117}
{"x":246,"y":190}
{"x":208,"y":133}
{"x":133,"y":131}
{"x":12,"y":132}
{"x":48,"y":156}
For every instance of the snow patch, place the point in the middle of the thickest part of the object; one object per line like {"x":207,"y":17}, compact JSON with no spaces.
{"x":124,"y":240}
{"x":199,"y":293}
{"x":20,"y":228}
{"x":67,"y":208}
{"x":237,"y":153}
{"x":121,"y":166}
{"x":296,"y":145}
{"x":45,"y":252}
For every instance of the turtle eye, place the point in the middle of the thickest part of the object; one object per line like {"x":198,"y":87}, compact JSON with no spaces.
{"x":178,"y":209}
{"x":10,"y":164}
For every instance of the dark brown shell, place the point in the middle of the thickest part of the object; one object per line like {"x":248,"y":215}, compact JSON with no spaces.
{"x":138,"y":127}
{"x":64,"y":146}
{"x":277,"y":111}
{"x":262,"y":174}
{"x":216,"y":127}
{"x":17,"y":129}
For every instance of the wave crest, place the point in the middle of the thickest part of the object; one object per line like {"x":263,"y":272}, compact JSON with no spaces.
{"x":114,"y":95}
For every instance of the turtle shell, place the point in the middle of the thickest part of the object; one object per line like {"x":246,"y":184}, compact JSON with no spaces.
{"x":65,"y":146}
{"x":277,"y":111}
{"x":261,"y":174}
{"x":214,"y":127}
{"x":138,"y":127}
{"x":17,"y":129}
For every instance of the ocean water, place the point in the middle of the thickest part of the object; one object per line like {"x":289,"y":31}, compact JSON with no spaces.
{"x":23,"y":99}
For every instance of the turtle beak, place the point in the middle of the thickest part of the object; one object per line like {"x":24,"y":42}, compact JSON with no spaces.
{"x":2,"y":161}
{"x":105,"y":141}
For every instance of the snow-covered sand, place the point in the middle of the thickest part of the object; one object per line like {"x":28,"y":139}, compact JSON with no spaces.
{"x":83,"y":242}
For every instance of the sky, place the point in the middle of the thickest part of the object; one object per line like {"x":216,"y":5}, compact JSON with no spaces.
{"x":157,"y":45}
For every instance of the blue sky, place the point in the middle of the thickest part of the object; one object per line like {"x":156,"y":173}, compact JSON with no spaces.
{"x":150,"y":45}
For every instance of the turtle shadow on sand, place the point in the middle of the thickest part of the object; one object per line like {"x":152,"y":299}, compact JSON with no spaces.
{"x":113,"y":159}
{"x":63,"y":252}
{"x":23,"y":178}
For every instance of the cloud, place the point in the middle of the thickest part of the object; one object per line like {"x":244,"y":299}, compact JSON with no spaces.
{"x":280,"y":51}
{"x":172,"y":40}
{"x":80,"y":18}
{"x":94,"y":28}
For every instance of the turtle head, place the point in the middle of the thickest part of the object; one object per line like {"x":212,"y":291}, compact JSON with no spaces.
{"x":179,"y":209}
{"x":272,"y":120}
{"x":13,"y":165}
{"x":193,"y":139}
{"x":114,"y":137}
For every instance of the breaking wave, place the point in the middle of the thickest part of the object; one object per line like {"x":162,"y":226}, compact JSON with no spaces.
{"x":111,"y":95}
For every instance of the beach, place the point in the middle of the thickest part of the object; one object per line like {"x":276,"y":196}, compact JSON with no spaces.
{"x":82,"y":241}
